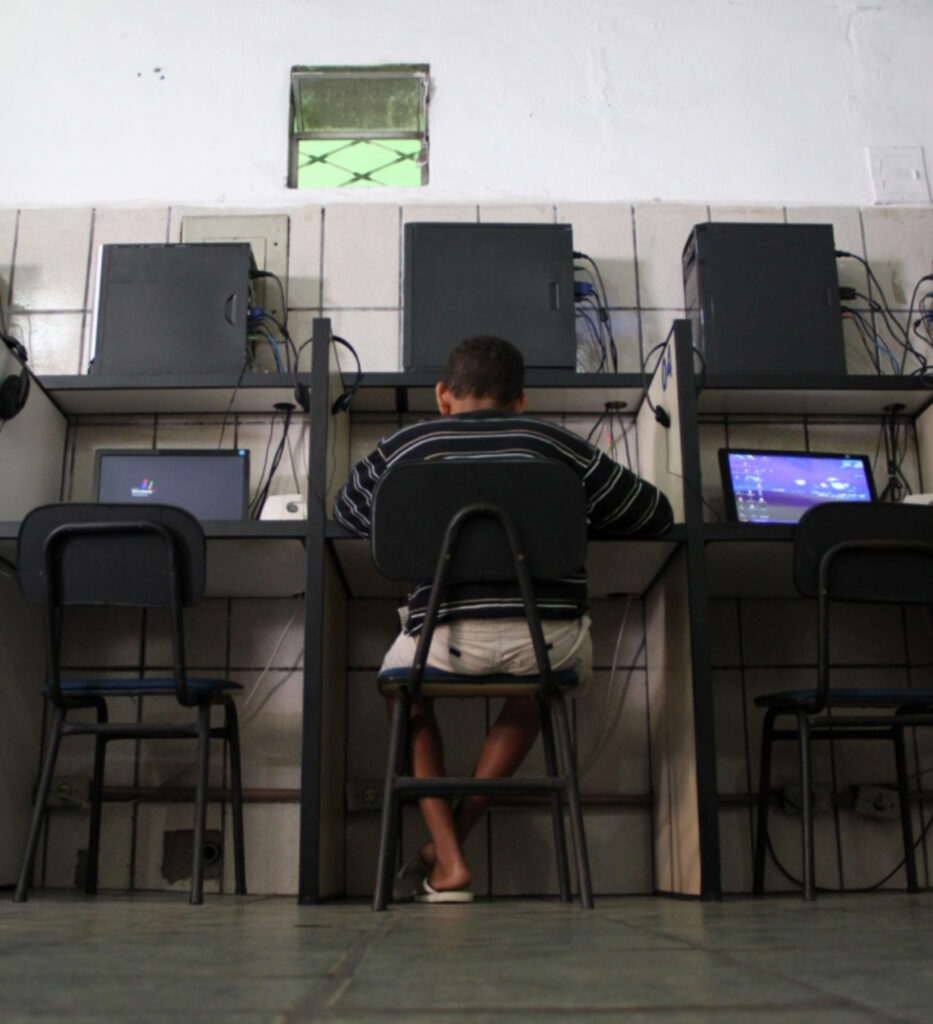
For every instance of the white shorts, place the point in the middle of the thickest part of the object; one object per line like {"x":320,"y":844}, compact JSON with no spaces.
{"x":481,"y":646}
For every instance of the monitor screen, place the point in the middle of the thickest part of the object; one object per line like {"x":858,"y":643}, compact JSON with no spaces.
{"x":762,"y":486}
{"x":211,"y":484}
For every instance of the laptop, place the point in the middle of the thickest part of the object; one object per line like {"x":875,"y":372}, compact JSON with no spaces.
{"x":209,"y":483}
{"x":763,"y":486}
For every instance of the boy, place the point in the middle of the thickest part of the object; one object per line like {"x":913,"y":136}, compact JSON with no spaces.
{"x":480,"y":401}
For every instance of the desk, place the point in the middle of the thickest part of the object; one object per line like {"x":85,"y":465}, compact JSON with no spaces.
{"x":244,"y":559}
{"x":676,"y":576}
{"x":341,"y":564}
{"x":734,"y":560}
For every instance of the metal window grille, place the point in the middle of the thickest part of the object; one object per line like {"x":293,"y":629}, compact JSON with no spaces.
{"x":358,"y":126}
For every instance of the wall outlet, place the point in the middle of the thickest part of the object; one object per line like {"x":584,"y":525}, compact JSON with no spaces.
{"x":821,"y":793}
{"x":878,"y":802}
{"x":899,"y":174}
{"x":177,"y":848}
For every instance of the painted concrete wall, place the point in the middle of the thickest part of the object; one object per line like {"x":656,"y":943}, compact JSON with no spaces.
{"x":124,"y":101}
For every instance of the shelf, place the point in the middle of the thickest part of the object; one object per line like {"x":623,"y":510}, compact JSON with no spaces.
{"x":614,"y":567}
{"x":851,"y":395}
{"x":549,"y":391}
{"x":190,"y":393}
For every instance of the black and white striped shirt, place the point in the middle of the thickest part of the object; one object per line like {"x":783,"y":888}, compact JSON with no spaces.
{"x":619,"y":504}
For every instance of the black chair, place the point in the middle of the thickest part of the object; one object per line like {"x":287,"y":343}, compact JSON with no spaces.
{"x":861,"y":552}
{"x":144,"y":557}
{"x":458,"y":522}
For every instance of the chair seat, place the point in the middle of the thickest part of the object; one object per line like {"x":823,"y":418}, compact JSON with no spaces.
{"x":435,"y":682}
{"x":134,"y":687}
{"x":850,"y":698}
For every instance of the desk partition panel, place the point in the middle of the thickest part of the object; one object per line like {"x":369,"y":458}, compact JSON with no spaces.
{"x":686,"y":836}
{"x":660,"y":458}
{"x":338,"y":428}
{"x":925,"y":447}
{"x":32,"y":446}
{"x":321,"y":827}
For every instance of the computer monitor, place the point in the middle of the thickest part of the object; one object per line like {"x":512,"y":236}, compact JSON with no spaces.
{"x":514,"y":281}
{"x":209,"y":483}
{"x":765,"y":486}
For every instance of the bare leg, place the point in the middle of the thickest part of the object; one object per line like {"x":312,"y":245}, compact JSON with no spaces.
{"x":507,"y":744}
{"x":449,"y":868}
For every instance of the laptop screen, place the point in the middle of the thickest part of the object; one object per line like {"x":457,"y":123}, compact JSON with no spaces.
{"x":779,"y":486}
{"x":211,"y":484}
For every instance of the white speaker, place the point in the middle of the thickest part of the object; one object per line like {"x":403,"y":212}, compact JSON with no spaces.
{"x":284,"y":506}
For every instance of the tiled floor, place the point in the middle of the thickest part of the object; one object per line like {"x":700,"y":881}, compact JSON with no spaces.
{"x":154,"y":958}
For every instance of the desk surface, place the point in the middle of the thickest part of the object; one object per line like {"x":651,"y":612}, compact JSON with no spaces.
{"x":847,"y":395}
{"x":117,"y":393}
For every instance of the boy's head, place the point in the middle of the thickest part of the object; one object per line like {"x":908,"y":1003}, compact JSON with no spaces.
{"x":485,"y":371}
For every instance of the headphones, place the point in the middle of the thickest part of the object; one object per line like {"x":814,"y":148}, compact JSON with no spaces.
{"x":342,"y":402}
{"x":14,"y":390}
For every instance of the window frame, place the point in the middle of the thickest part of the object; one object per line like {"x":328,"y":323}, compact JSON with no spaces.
{"x":418,"y":72}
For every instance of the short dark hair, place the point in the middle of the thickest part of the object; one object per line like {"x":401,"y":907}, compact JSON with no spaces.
{"x":486,"y":367}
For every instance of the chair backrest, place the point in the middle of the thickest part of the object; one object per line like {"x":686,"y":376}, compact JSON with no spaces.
{"x":415,"y":501}
{"x":115,"y":554}
{"x":870,"y":551}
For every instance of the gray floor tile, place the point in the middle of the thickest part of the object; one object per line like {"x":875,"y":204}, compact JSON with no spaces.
{"x":154,"y":959}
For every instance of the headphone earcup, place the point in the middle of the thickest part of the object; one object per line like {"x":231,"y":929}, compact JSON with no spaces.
{"x":13,"y":394}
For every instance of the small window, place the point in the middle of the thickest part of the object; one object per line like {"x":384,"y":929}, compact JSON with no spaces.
{"x":358,"y":126}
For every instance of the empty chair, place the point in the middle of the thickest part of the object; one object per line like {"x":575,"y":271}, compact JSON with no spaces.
{"x":459,"y":521}
{"x":143,"y":557}
{"x":863,"y":552}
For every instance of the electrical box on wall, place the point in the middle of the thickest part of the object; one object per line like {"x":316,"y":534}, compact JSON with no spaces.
{"x":764,"y":298}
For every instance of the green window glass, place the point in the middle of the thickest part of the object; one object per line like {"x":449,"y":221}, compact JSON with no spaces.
{"x":358,"y":126}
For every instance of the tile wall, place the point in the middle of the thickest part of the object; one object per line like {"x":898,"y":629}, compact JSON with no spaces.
{"x":344,"y":262}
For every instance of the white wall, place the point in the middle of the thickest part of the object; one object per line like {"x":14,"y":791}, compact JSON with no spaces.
{"x":717,"y":100}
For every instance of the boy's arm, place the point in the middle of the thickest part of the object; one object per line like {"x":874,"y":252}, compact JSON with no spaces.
{"x":621,"y":504}
{"x":354,"y":501}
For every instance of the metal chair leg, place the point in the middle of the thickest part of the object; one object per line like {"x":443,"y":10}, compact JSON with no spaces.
{"x":97,"y":789}
{"x":388,"y":834}
{"x":200,"y":804}
{"x":903,"y":788}
{"x":764,"y":792}
{"x":38,"y":811}
{"x":557,"y":810}
{"x":806,"y":806}
{"x":236,"y":796}
{"x":573,"y":801}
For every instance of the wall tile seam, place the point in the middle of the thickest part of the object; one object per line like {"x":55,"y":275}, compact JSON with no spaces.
{"x":194,"y":668}
{"x":86,"y":342}
{"x":321,"y":254}
{"x":25,"y":312}
{"x":357,"y":309}
{"x":810,"y":666}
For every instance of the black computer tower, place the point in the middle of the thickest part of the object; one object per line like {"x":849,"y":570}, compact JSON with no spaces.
{"x":514,"y":281}
{"x":172,"y":309}
{"x":764,"y":298}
